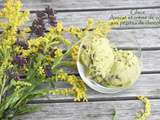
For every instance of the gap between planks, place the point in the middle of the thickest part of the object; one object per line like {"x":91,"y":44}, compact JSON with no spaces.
{"x":70,"y":100}
{"x":97,"y":9}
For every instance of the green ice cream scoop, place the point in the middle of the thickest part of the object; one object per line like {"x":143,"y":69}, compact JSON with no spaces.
{"x":125,"y":70}
{"x":97,"y":56}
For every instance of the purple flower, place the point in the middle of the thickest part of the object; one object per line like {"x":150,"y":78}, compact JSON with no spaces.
{"x":39,"y":24}
{"x":52,"y":21}
{"x":51,"y":18}
{"x":19,"y":61}
{"x":48,"y":71}
{"x":49,"y":11}
{"x":23,"y":44}
{"x":41,"y":15}
{"x":38,"y":27}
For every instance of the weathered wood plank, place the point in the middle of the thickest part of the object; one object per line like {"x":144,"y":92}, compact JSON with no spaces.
{"x":126,"y":110}
{"x":87,"y":4}
{"x":141,"y":18}
{"x":144,"y":18}
{"x":147,"y":38}
{"x":147,"y":85}
{"x":150,"y":60}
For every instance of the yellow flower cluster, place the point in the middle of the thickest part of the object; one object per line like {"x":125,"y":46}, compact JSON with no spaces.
{"x":22,"y":33}
{"x":21,"y":84}
{"x":78,"y":87}
{"x":147,"y":108}
{"x":74,"y":53}
{"x":33,"y":46}
{"x":90,"y":24}
{"x":58,"y":53}
{"x":78,"y":32}
{"x":59,"y":26}
{"x":103,"y":27}
{"x":12,"y":12}
{"x":46,"y":43}
{"x":66,"y":91}
{"x":75,"y":31}
{"x":15,"y":18}
{"x":41,"y":71}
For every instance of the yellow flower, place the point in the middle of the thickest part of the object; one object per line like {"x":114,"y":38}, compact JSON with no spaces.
{"x":48,"y":59}
{"x":74,"y":53}
{"x":26,"y":53}
{"x":21,"y":84}
{"x":13,"y":14}
{"x":34,"y":43}
{"x":23,"y":32}
{"x":67,"y":42}
{"x":90,"y":24}
{"x":41,"y":71}
{"x":15,"y":18}
{"x":75,"y":31}
{"x":59,"y":26}
{"x":58,"y":53}
{"x":18,"y":49}
{"x":66,"y":91}
{"x":62,"y":75}
{"x":78,"y":88}
{"x":103,"y":27}
{"x":33,"y":46}
{"x":147,"y":108}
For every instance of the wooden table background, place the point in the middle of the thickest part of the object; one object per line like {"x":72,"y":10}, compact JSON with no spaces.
{"x":100,"y":106}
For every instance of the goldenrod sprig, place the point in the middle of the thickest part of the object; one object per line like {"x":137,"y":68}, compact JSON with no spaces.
{"x":78,"y":88}
{"x":147,"y":108}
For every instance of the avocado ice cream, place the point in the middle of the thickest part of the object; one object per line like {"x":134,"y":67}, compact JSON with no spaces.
{"x":125,"y":70}
{"x":97,"y":57}
{"x":106,"y":65}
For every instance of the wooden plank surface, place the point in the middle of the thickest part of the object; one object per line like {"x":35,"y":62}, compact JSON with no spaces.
{"x":147,"y":38}
{"x":137,"y":19}
{"x":147,"y":85}
{"x":102,"y":110}
{"x":143,"y":18}
{"x":151,"y":60}
{"x":87,"y":4}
